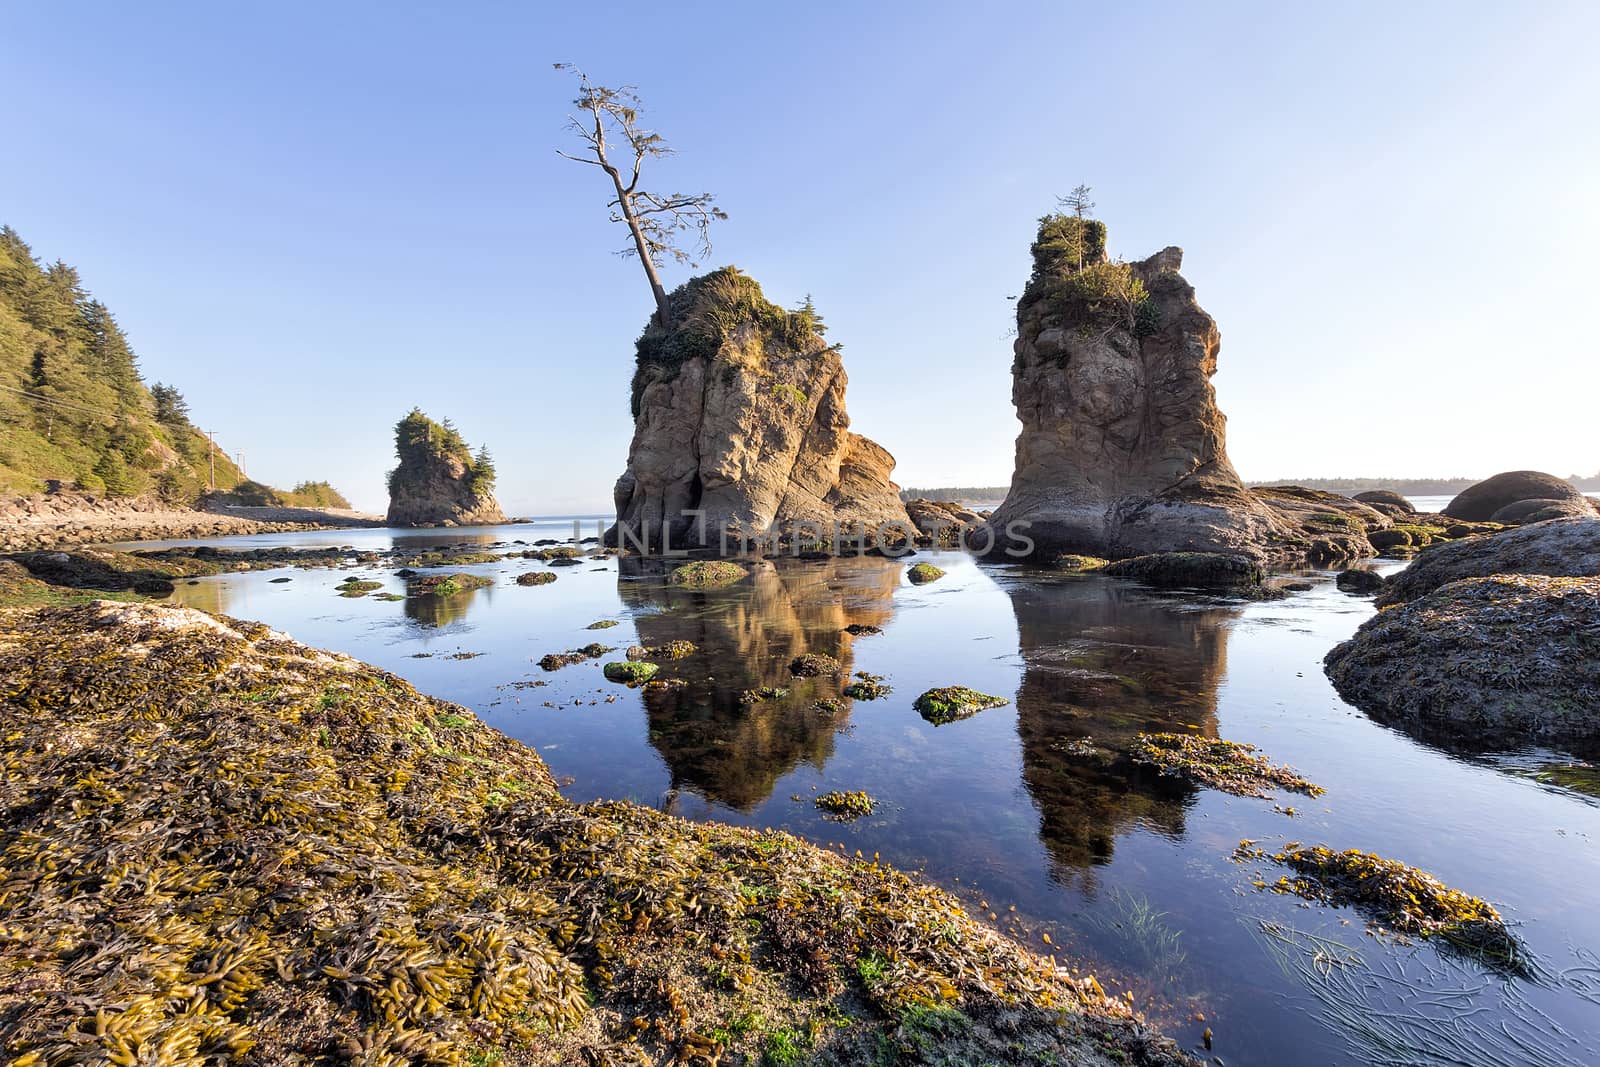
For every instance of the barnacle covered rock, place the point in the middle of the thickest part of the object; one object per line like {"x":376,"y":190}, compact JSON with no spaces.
{"x":218,"y":845}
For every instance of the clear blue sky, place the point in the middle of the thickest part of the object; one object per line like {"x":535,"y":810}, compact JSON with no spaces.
{"x":312,"y":217}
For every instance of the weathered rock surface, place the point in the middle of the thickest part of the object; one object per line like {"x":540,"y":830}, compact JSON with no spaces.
{"x":1563,"y":548}
{"x":1387,"y":497}
{"x":1539,"y":510}
{"x":1511,"y":658}
{"x":942,"y":520}
{"x":1325,"y":527}
{"x":439,"y":481}
{"x":1479,"y":502}
{"x":1122,"y":446}
{"x":740,"y":425}
{"x":1190,"y":570}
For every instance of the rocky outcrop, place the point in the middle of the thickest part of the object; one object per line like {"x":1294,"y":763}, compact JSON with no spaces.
{"x":1122,"y":446}
{"x":439,"y":481}
{"x":1513,"y":658}
{"x":1324,"y":527}
{"x":1385,"y":498}
{"x":740,"y":426}
{"x":941,"y":521}
{"x":50,"y":520}
{"x":1563,"y":548}
{"x":1479,"y":503}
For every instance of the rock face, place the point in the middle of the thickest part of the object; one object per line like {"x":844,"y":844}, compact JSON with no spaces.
{"x":740,"y":426}
{"x":1563,"y":548}
{"x":1122,"y":446}
{"x":1479,"y":662}
{"x":439,"y":481}
{"x":1480,"y":502}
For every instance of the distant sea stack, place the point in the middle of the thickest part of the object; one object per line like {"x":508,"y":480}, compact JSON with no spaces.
{"x":740,"y":426}
{"x":439,"y":481}
{"x":1122,"y":446}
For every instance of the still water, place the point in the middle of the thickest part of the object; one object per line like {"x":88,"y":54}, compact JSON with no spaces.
{"x":1137,"y":885}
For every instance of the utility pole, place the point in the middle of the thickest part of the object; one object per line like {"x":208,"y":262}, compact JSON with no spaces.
{"x":241,"y":465}
{"x":211,"y":454}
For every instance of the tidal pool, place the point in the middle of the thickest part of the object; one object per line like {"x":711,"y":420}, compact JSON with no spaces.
{"x":1131,"y":879}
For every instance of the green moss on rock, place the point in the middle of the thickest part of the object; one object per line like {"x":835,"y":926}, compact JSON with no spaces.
{"x":923,"y":573}
{"x":707,"y":574}
{"x":952,"y":703}
{"x":633,"y":672}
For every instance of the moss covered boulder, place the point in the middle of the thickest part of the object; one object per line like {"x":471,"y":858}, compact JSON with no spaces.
{"x":923,"y":573}
{"x":1566,"y":548}
{"x":221,"y":846}
{"x":707,"y":574}
{"x":952,"y":703}
{"x":631,"y":672}
{"x":442,"y":585}
{"x":1482,"y":661}
{"x":1190,"y":570}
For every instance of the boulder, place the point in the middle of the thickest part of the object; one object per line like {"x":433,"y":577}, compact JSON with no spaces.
{"x":1190,"y":570}
{"x":1384,"y":499}
{"x":1478,"y":503}
{"x":439,"y":481}
{"x":1359,"y":582}
{"x":740,"y":426}
{"x":1122,"y":445}
{"x":1563,"y":548}
{"x":1481,"y":662}
{"x":1325,"y":527}
{"x":942,"y":520}
{"x":1539,"y":509}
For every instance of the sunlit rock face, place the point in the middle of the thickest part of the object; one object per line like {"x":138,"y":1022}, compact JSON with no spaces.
{"x":1122,"y":448}
{"x":740,"y":424}
{"x":438,"y":481}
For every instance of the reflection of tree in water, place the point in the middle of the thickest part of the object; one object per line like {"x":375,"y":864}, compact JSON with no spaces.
{"x":1105,"y":661}
{"x":747,"y":634}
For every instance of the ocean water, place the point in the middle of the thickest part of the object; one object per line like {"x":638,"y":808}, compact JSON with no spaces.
{"x":1132,"y":880}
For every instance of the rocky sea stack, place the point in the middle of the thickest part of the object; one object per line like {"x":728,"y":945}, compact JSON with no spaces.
{"x":1122,"y":445}
{"x":740,"y":425}
{"x":439,"y":481}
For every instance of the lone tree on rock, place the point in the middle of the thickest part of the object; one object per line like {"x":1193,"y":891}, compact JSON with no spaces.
{"x":656,"y":221}
{"x":1080,"y":205}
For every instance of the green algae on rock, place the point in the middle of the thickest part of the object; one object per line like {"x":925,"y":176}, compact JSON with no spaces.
{"x":812,"y":664}
{"x":1229,"y":766}
{"x":762,"y":694}
{"x":844,"y":806}
{"x":923,"y":573}
{"x":1481,"y":662}
{"x":1073,"y":563}
{"x":952,"y":703}
{"x":707,"y":574}
{"x":445,"y":584}
{"x":1396,"y":897}
{"x":633,"y":672}
{"x":356,"y":587}
{"x":554,"y":661}
{"x":603,"y":624}
{"x":217,"y":844}
{"x":867,"y":687}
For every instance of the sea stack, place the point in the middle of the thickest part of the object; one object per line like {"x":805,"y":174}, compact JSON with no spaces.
{"x":740,"y":429}
{"x":1122,"y":447}
{"x":440,"y":481}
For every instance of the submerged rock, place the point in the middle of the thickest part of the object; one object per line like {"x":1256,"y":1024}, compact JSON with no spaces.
{"x":1510,"y":658}
{"x":1190,"y":570}
{"x":1359,"y":582}
{"x":1564,"y":548}
{"x":439,"y":481}
{"x":740,"y":425}
{"x":1480,"y":502}
{"x":952,"y":703}
{"x":1229,"y":766}
{"x":842,"y":806}
{"x":1122,"y":446}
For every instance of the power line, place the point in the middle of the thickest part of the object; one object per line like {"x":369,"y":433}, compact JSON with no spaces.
{"x":38,"y":398}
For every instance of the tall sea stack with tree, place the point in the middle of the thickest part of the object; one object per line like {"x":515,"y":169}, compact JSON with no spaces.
{"x":440,"y":480}
{"x":1122,"y":446}
{"x":738,"y":404}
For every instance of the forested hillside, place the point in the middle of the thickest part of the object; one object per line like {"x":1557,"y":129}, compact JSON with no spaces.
{"x":73,"y":407}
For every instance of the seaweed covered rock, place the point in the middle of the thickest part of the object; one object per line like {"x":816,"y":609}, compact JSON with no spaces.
{"x":952,"y":703}
{"x":1478,"y":503}
{"x":1190,"y":570}
{"x":740,"y":425}
{"x":219,"y":845}
{"x":439,"y":481}
{"x":1511,"y":658}
{"x":1122,"y":446}
{"x":1564,"y":548}
{"x":1324,"y":527}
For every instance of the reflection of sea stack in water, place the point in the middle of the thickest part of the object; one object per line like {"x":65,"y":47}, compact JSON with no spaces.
{"x":740,"y":424}
{"x":747,"y":636}
{"x":1105,"y":662}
